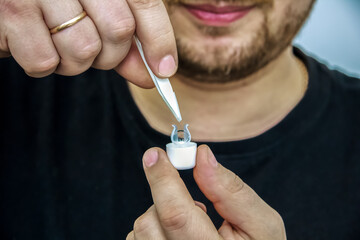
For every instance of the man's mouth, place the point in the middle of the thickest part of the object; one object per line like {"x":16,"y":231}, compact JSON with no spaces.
{"x":217,"y":15}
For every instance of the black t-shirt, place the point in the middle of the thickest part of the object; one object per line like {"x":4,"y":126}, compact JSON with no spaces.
{"x":71,"y":150}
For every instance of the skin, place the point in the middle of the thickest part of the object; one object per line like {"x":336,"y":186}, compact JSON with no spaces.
{"x":248,"y":64}
{"x":102,"y":40}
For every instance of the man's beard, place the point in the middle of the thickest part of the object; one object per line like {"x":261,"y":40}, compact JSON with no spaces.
{"x":221,"y":64}
{"x":227,"y":63}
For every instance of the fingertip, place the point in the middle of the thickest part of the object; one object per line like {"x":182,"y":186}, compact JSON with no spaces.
{"x":200,"y":155}
{"x":203,"y":146}
{"x":203,"y":170}
{"x":211,"y":158}
{"x":157,"y":38}
{"x":205,"y":156}
{"x":167,"y":66}
{"x":161,"y":152}
{"x":150,"y":157}
{"x":154,"y":155}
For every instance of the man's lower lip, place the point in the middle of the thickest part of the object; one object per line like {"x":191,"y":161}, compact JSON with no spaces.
{"x":218,"y":18}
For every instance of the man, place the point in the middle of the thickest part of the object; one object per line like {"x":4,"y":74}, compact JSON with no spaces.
{"x":73,"y":147}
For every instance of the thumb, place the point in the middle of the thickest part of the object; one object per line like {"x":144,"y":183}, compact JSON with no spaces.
{"x":233,"y":199}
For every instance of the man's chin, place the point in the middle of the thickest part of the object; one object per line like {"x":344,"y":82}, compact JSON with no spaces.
{"x":222,"y":59}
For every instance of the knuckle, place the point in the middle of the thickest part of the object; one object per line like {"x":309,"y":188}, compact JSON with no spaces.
{"x":163,"y":178}
{"x":235,"y":184}
{"x":43,"y":66}
{"x":146,"y":4}
{"x":88,"y":50}
{"x":130,"y":236}
{"x":163,"y":36}
{"x":173,"y":219}
{"x":278,"y":221}
{"x":121,"y":30}
{"x":142,"y":224}
{"x":276,"y":225}
{"x":15,"y":9}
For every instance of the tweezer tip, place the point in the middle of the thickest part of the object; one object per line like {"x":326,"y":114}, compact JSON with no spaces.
{"x":178,"y":118}
{"x":176,"y":113}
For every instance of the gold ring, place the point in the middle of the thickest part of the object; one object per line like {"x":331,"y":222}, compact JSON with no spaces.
{"x":68,"y":23}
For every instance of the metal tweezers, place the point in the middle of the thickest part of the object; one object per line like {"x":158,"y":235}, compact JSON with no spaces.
{"x":163,"y":86}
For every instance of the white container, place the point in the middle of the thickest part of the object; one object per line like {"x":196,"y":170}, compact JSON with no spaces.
{"x":181,"y":151}
{"x":182,"y":155}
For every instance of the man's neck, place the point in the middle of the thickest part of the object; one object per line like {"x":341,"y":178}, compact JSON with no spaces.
{"x":231,"y":111}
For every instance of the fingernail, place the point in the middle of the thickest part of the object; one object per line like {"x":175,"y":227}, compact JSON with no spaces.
{"x":211,"y":158}
{"x":167,"y":66}
{"x":150,"y":157}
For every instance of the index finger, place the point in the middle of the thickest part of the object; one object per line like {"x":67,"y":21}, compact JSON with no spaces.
{"x":170,"y":195}
{"x":154,"y":29}
{"x":177,"y":213}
